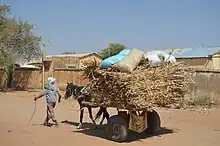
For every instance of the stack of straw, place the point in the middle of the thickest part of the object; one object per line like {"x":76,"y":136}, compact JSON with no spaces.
{"x":145,"y":87}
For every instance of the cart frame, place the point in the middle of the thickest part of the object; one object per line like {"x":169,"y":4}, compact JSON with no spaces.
{"x":140,"y":121}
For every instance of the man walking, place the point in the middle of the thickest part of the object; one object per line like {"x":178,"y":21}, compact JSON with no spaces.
{"x":51,"y":91}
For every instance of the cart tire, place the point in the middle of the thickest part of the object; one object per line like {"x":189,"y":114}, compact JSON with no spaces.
{"x":153,"y":123}
{"x":117,"y":129}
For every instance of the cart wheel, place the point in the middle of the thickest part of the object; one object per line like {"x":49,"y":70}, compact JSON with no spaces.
{"x":153,"y":123}
{"x":117,"y":128}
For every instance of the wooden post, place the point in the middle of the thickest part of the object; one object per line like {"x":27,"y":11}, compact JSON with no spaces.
{"x":43,"y":67}
{"x":52,"y":69}
{"x":43,"y":73}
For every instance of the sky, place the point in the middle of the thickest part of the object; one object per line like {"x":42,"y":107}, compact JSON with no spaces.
{"x":85,"y":26}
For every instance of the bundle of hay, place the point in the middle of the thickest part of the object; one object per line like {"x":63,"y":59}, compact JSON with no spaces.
{"x":146,"y":86}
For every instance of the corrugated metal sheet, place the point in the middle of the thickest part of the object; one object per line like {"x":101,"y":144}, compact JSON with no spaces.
{"x":196,"y":52}
{"x":69,"y":55}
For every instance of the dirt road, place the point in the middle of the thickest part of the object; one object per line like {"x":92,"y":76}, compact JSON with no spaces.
{"x":182,"y":127}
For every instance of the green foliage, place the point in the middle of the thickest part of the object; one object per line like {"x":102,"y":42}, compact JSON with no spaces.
{"x":17,"y":41}
{"x":112,"y":50}
{"x":4,"y":10}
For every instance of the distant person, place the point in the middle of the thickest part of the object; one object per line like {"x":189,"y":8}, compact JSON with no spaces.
{"x":51,"y":91}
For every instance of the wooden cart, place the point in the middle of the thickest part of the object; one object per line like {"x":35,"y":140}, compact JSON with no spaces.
{"x":139,"y":121}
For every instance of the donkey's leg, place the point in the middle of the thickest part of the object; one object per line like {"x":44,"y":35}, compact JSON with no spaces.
{"x":91,"y":117}
{"x":105,"y":115}
{"x":81,"y":116}
{"x":70,"y":98}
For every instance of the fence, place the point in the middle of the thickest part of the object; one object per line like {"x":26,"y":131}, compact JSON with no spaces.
{"x":3,"y":78}
{"x":67,"y":75}
{"x":207,"y":81}
{"x":207,"y":85}
{"x":26,"y":78}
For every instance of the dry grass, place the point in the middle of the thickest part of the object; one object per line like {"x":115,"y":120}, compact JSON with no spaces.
{"x":146,"y":86}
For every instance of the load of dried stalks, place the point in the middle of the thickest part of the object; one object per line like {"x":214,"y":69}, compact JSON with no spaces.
{"x":146,"y":86}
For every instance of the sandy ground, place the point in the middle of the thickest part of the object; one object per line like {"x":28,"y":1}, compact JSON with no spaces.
{"x":180,"y":127}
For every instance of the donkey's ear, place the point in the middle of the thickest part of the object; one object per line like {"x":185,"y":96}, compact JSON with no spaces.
{"x":67,"y":83}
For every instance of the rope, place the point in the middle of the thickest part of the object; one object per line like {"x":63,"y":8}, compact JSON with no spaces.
{"x":35,"y":104}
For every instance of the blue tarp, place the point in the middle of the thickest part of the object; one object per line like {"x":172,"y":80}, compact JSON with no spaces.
{"x":108,"y":62}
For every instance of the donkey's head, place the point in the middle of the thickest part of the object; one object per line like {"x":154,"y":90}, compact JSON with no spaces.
{"x":72,"y":90}
{"x":69,"y":90}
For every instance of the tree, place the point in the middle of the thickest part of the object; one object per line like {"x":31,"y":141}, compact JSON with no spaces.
{"x":111,"y":50}
{"x":68,"y":53}
{"x":17,"y":41}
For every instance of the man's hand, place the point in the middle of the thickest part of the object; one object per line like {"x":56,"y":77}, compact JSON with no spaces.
{"x":35,"y":98}
{"x":59,"y":99}
{"x":39,"y":96}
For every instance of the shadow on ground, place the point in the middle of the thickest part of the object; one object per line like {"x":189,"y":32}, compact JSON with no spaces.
{"x":88,"y":129}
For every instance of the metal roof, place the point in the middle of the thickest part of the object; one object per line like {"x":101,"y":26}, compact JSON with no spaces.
{"x":196,"y":52}
{"x":69,"y":55}
{"x":29,"y":66}
{"x":73,"y":55}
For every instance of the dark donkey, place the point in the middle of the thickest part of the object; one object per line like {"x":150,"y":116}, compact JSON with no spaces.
{"x":75,"y":92}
